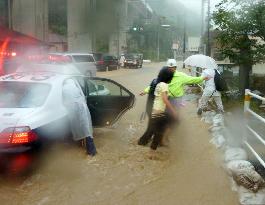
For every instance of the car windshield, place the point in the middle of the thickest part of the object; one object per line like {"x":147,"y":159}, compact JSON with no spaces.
{"x":108,"y":57}
{"x":130,"y":56}
{"x":22,"y":94}
{"x":97,"y":56}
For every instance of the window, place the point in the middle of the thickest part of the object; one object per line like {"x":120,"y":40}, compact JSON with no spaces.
{"x":83,"y":58}
{"x":92,"y":88}
{"x":97,"y":56}
{"x":107,"y":58}
{"x":91,"y":59}
{"x":23,"y":95}
{"x":104,"y":87}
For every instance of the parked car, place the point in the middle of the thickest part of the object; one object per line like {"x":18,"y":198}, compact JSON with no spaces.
{"x":32,"y":110}
{"x":106,"y":62}
{"x":133,"y":60}
{"x":85,"y":62}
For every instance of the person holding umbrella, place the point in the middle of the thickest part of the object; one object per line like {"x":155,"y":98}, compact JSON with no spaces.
{"x":209,"y":67}
{"x":210,"y":91}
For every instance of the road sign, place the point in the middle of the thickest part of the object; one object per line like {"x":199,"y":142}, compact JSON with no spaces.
{"x":175,"y":46}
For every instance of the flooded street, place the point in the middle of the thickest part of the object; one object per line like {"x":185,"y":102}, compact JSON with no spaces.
{"x":188,"y":172}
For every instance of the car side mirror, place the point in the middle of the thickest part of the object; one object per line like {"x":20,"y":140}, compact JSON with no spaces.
{"x":101,"y":87}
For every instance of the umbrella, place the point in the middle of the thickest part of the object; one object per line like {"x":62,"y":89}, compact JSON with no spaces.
{"x":201,"y":61}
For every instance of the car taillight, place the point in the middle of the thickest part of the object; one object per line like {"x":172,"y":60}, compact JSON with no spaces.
{"x":50,"y":58}
{"x":59,"y":59}
{"x":8,"y":54}
{"x":17,"y":135}
{"x":100,"y":62}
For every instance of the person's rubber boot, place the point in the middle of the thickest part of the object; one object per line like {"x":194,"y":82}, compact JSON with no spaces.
{"x":90,"y":146}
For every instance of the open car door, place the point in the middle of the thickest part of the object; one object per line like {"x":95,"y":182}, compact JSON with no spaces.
{"x":107,"y":100}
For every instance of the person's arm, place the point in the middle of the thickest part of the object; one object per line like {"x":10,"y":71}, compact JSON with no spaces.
{"x":194,"y":80}
{"x":146,"y":91}
{"x":168,"y":104}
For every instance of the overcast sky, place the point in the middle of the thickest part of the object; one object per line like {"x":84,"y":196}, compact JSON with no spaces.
{"x":196,"y":4}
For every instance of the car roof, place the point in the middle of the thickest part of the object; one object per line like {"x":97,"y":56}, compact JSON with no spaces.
{"x":72,"y":54}
{"x":62,"y":69}
{"x":37,"y":77}
{"x":104,"y":54}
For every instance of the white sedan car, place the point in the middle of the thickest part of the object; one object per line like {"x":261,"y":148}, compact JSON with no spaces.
{"x":32,"y":109}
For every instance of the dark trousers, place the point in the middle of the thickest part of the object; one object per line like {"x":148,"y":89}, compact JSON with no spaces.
{"x":156,"y":128}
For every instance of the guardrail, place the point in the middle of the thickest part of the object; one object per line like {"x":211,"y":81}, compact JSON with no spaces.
{"x":248,"y":112}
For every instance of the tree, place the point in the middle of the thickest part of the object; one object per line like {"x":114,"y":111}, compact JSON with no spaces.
{"x":241,"y":28}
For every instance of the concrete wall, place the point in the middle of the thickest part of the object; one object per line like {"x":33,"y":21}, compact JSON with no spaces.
{"x":118,"y":39}
{"x":79,"y":36}
{"x":31,"y":17}
{"x":118,"y":42}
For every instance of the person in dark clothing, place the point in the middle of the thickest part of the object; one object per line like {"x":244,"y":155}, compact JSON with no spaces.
{"x":149,"y":106}
{"x":157,"y":102}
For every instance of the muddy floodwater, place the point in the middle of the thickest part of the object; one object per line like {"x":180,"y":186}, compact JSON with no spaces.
{"x":187,"y":172}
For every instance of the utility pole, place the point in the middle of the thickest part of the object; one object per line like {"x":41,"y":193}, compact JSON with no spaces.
{"x":158,"y":39}
{"x":184,"y":38}
{"x":118,"y":34}
{"x":9,"y":5}
{"x":202,"y":26}
{"x":158,"y":43}
{"x":208,"y":29}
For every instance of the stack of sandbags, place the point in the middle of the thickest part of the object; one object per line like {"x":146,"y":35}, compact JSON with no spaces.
{"x":250,"y":183}
{"x":208,"y":117}
{"x":235,"y":153}
{"x":217,"y":129}
{"x":249,"y":179}
{"x":247,"y":197}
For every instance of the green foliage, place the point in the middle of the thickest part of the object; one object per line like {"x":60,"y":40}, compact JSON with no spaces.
{"x":241,"y":26}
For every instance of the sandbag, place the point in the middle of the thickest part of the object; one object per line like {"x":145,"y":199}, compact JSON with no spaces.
{"x":238,"y":165}
{"x":208,"y":117}
{"x":218,"y":120}
{"x":247,"y":197}
{"x":249,"y":179}
{"x":218,"y":140}
{"x":218,"y":129}
{"x":235,"y":154}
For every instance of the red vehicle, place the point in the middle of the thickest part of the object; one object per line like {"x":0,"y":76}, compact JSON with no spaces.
{"x":105,"y":62}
